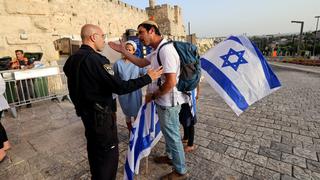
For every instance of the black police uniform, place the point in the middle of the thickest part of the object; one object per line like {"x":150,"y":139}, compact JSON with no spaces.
{"x":91,"y":84}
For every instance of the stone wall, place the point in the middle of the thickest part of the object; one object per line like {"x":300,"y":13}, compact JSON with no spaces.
{"x":33,"y":25}
{"x":169,"y":19}
{"x":204,"y":44}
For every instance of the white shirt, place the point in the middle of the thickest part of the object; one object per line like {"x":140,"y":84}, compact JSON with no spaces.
{"x":171,"y":64}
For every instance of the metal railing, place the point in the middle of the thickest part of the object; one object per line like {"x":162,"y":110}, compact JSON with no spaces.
{"x":36,"y":87}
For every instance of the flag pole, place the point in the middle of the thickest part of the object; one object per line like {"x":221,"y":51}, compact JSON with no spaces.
{"x":147,"y":164}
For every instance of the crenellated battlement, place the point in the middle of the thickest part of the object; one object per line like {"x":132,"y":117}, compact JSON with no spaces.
{"x":169,"y":19}
{"x":165,"y":6}
{"x":126,"y":5}
{"x":45,"y":21}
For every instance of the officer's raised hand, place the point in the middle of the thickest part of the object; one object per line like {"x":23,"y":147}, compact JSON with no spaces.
{"x":155,"y":73}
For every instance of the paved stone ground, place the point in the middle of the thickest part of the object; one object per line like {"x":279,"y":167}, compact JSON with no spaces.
{"x":277,"y":138}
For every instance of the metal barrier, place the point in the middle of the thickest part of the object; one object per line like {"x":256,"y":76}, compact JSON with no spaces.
{"x":25,"y":87}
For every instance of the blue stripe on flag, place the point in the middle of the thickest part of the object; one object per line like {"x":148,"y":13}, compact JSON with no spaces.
{"x":272,"y":79}
{"x":234,"y":38}
{"x":129,"y":173}
{"x":143,"y":143}
{"x":225,"y":83}
{"x":194,"y":101}
{"x":152,"y":118}
{"x":158,"y":128}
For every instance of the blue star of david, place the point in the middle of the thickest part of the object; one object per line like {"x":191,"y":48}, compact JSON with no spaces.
{"x":234,"y":65}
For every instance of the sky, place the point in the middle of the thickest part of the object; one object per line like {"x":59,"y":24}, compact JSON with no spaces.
{"x":215,"y":18}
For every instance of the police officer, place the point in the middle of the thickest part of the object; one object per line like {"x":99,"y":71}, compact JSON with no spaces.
{"x":91,"y":84}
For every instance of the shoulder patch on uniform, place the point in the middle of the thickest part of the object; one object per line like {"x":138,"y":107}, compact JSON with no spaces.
{"x":108,"y":68}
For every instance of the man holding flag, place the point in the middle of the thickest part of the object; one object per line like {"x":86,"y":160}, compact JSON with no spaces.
{"x":166,"y":96}
{"x":235,"y":68}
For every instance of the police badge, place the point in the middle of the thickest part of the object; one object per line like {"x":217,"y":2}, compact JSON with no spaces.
{"x":108,"y":68}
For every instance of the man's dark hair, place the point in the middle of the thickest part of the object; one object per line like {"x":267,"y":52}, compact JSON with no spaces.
{"x":149,"y":26}
{"x":18,"y":51}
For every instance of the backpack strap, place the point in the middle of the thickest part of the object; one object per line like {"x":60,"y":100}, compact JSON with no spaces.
{"x":158,"y":59}
{"x":158,"y":56}
{"x":160,"y":64}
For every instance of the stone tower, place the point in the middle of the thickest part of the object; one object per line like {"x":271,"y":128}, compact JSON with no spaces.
{"x":152,"y":3}
{"x":169,"y":19}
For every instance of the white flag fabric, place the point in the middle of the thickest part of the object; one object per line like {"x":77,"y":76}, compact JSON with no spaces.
{"x":240,"y":74}
{"x":144,"y":136}
{"x":193,"y":102}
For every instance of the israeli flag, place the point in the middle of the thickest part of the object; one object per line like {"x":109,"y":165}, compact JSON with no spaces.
{"x":237,"y":70}
{"x":193,"y":103}
{"x":144,"y":135}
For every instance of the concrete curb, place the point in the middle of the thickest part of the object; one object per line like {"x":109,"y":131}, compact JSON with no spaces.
{"x":302,"y":68}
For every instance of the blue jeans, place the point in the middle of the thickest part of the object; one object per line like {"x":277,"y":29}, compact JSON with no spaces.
{"x":169,"y":122}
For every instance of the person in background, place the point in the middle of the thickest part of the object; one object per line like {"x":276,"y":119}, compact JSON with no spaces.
{"x":25,"y":87}
{"x":4,"y":143}
{"x":21,"y":62}
{"x":125,"y":70}
{"x":188,"y":119}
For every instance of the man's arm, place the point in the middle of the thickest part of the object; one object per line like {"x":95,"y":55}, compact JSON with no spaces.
{"x":99,"y":68}
{"x":168,"y":85}
{"x":120,"y":87}
{"x":198,"y":91}
{"x":141,"y":62}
